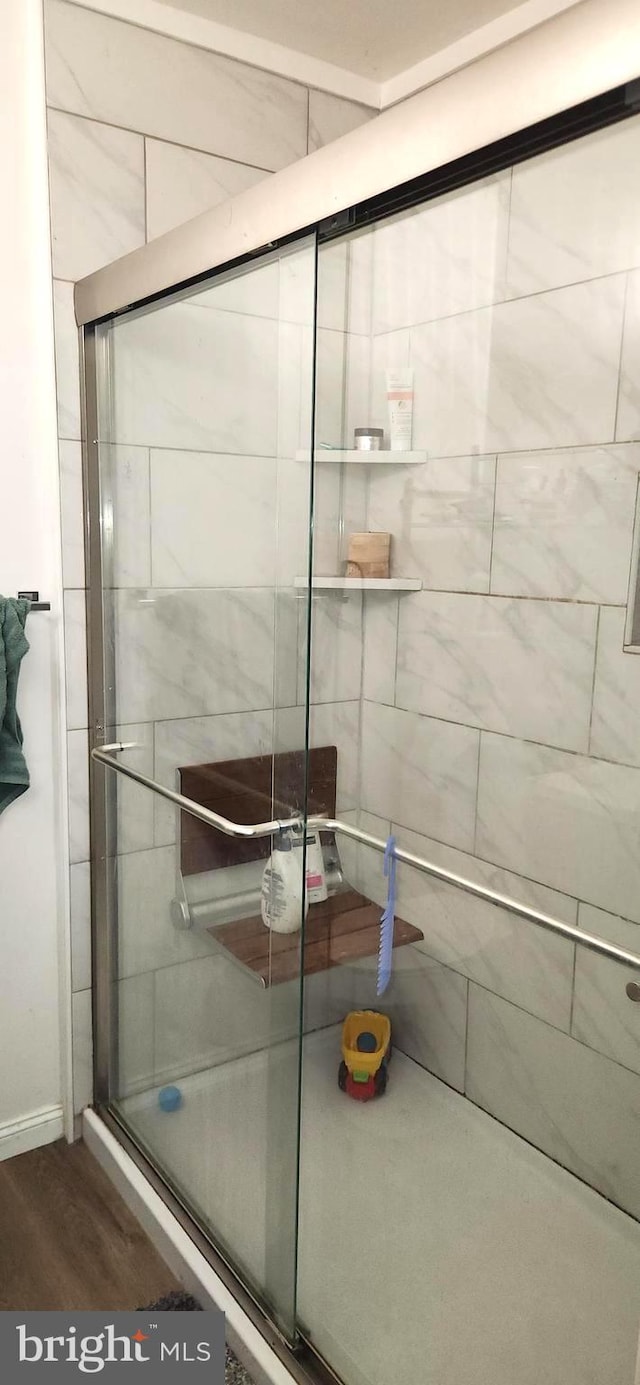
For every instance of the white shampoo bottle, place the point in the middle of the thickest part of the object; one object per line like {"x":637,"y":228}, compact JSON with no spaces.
{"x":281,"y":902}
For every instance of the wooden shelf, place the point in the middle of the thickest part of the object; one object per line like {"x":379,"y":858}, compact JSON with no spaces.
{"x":362,"y":584}
{"x":344,"y":929}
{"x":360,"y":457}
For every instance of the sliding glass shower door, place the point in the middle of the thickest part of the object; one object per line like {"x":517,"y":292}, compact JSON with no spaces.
{"x":451,"y":664}
{"x":201,"y":488}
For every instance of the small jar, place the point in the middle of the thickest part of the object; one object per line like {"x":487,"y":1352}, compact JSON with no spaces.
{"x":368,"y":439}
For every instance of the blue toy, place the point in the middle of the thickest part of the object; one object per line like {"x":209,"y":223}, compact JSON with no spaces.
{"x":170,"y":1099}
{"x":385,"y":949}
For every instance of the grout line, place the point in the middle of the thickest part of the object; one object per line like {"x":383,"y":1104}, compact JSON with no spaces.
{"x":522,"y":1010}
{"x":327,"y":593}
{"x":153,"y":761}
{"x":508,"y":870}
{"x":494,"y":304}
{"x":493,"y":522}
{"x":190,"y":299}
{"x":168,"y":966}
{"x":395,"y":673}
{"x":150,"y":499}
{"x":202,"y":452}
{"x":191,"y":296}
{"x":360,"y":732}
{"x":466,"y":1035}
{"x":632,"y":445}
{"x":507,"y":736}
{"x":477,"y":794}
{"x":160,"y":139}
{"x":573,"y":989}
{"x":154,"y":1031}
{"x":593,"y":684}
{"x":495,"y":865}
{"x":320,"y":594}
{"x":615,"y":1062}
{"x":507,"y":250}
{"x":620,"y":355}
{"x":146,"y":189}
{"x":424,"y":592}
{"x":251,"y":712}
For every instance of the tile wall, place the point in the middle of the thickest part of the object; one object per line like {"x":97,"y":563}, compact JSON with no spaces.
{"x":145,"y":132}
{"x":501,"y":718}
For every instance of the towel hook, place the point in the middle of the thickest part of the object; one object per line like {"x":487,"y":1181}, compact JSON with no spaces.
{"x":36,"y":603}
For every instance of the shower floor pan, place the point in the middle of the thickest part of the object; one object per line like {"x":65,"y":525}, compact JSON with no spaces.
{"x":436,"y":1247}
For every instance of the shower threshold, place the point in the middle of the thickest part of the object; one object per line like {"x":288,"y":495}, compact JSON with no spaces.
{"x":481,"y":1261}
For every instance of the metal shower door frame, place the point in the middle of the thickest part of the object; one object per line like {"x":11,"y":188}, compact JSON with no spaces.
{"x":95,"y":367}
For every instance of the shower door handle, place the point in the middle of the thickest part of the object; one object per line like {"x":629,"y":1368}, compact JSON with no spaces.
{"x":106,"y":755}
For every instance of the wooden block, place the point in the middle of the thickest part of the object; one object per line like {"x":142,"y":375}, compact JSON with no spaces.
{"x":368,"y":555}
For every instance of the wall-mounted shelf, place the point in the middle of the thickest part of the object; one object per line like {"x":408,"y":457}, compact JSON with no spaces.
{"x":362,"y":584}
{"x":359,"y":457}
{"x":341,"y":931}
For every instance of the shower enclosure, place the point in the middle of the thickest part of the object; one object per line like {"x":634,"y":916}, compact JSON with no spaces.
{"x":479,"y":1222}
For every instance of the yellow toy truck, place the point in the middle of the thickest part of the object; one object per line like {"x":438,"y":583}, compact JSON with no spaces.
{"x":366,"y":1052}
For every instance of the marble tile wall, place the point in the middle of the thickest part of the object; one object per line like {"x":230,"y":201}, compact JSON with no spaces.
{"x":517,"y":303}
{"x":332,"y":116}
{"x":183,"y":376}
{"x":86,"y":232}
{"x":578,"y":1106}
{"x":483,"y":656}
{"x":145,"y":132}
{"x":102,"y":69}
{"x":180,"y":183}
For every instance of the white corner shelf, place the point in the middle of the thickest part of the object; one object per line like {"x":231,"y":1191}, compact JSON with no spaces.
{"x":360,"y":457}
{"x":362,"y":584}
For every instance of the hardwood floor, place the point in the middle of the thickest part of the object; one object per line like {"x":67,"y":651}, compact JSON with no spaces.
{"x":68,"y":1241}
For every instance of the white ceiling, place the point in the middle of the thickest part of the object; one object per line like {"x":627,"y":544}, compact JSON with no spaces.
{"x":373,"y":38}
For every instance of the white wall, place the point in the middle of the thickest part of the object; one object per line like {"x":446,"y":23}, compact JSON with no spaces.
{"x":32,"y":830}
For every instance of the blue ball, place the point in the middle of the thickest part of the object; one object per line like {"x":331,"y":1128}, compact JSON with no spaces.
{"x":170,"y":1099}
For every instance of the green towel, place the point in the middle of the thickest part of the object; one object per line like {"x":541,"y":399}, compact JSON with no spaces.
{"x":14,"y":775}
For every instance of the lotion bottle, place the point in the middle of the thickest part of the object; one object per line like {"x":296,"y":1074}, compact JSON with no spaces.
{"x":400,"y":407}
{"x":281,"y":902}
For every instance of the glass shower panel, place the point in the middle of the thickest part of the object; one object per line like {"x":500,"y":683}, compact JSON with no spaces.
{"x":479,"y":1222}
{"x":206,"y":406}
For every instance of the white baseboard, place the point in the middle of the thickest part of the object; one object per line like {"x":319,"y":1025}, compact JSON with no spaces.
{"x":39,"y":1128}
{"x":182,"y":1255}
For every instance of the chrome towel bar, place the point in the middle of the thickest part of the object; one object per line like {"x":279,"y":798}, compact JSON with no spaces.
{"x":106,"y":755}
